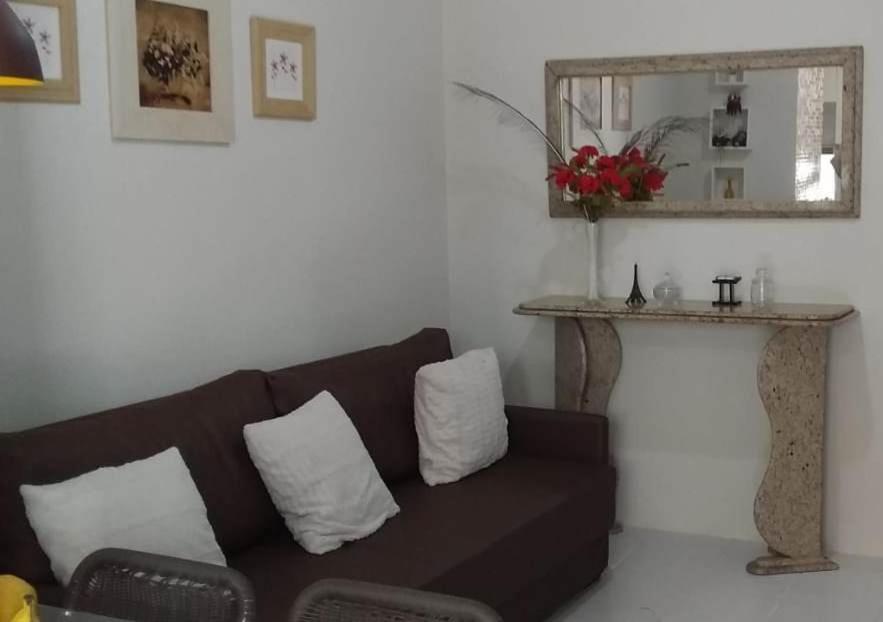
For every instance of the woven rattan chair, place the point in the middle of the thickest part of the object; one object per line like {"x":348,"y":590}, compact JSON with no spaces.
{"x":153,"y":588}
{"x":338,"y":600}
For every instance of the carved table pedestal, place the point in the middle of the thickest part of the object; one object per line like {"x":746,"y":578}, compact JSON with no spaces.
{"x":791,"y":378}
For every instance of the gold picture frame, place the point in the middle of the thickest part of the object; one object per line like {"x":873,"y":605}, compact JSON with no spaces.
{"x":53,"y":25}
{"x":283,"y":69}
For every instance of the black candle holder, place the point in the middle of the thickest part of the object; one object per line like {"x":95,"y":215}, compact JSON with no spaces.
{"x":724,"y":300}
{"x":636,"y":298}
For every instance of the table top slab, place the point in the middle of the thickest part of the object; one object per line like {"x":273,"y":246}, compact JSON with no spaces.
{"x":778,"y":314}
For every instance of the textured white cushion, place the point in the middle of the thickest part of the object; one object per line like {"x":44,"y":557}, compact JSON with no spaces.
{"x":150,"y":505}
{"x":459,"y":416}
{"x":320,"y":475}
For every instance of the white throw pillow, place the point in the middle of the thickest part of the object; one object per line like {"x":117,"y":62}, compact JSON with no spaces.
{"x":149,"y":505}
{"x":460,"y":417}
{"x":320,"y":475}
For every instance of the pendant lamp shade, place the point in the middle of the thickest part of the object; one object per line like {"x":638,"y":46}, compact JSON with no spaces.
{"x":19,"y":63}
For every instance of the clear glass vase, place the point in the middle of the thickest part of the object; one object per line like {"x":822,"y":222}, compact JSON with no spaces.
{"x":593,"y":240}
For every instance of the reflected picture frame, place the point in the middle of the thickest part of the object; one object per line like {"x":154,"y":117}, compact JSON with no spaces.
{"x":621,"y":104}
{"x":587,"y":110}
{"x":65,"y":88}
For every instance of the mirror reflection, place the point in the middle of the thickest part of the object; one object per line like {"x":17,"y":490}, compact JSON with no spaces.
{"x":769,"y":135}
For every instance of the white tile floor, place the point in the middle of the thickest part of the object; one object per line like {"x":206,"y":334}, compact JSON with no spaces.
{"x":663,"y":577}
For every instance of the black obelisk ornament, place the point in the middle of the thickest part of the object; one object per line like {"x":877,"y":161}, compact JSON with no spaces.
{"x":636,"y":298}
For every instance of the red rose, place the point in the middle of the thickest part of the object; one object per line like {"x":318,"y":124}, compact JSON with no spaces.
{"x":654,"y":179}
{"x":587,"y":184}
{"x":636,"y":157}
{"x":562,"y":176}
{"x":588,"y":151}
{"x":578,"y":161}
{"x":625,"y":190}
{"x":605,"y":162}
{"x":611,"y":176}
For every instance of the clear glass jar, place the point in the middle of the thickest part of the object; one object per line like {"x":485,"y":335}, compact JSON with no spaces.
{"x":762,"y":288}
{"x":667,"y":291}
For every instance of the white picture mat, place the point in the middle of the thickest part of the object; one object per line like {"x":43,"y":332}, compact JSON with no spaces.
{"x":130,"y":120}
{"x":280,"y":84}
{"x":46,"y":22}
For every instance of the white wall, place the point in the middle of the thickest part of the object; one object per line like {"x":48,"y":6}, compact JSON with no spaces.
{"x":129,"y":270}
{"x":690,"y":433}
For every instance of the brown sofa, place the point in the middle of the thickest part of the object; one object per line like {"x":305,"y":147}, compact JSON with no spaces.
{"x":522,"y":536}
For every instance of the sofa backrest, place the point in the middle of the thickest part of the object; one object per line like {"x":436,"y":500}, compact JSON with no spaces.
{"x":205,"y":423}
{"x":376,"y":389}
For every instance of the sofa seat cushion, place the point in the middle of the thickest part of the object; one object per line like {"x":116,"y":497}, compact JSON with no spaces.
{"x":486,"y":537}
{"x":376,"y":389}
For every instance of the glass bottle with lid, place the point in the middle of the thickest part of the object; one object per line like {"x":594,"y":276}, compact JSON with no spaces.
{"x":762,"y":288}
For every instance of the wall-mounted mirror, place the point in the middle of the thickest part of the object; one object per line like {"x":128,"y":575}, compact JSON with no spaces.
{"x":764,"y":134}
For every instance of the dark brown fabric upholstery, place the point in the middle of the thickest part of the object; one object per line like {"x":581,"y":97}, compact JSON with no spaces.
{"x":488,"y":537}
{"x":544,"y":597}
{"x":558,"y":434}
{"x":205,"y":423}
{"x":376,"y":389}
{"x":522,"y":535}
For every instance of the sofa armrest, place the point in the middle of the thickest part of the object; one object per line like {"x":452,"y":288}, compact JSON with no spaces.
{"x":558,"y":434}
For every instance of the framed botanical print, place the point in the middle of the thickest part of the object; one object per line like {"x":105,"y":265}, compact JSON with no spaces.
{"x":52,"y":25}
{"x":587,"y":97}
{"x":170,"y":70}
{"x":283,"y":69}
{"x":585,"y":105}
{"x":622,"y":103}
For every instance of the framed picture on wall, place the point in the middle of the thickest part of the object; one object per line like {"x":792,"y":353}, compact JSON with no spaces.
{"x":283,"y":70}
{"x":170,"y":70}
{"x":622,"y":103}
{"x":52,"y":25}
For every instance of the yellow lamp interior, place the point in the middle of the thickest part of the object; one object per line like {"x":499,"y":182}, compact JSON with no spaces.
{"x":13,"y":81}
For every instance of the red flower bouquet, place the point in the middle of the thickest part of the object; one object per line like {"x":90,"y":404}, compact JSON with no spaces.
{"x":601,"y":181}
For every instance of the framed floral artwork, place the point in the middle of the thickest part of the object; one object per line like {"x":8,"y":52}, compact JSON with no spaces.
{"x":283,"y":70}
{"x":170,"y":70}
{"x":52,"y":25}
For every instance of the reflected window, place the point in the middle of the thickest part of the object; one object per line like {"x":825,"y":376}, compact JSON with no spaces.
{"x":818,"y":93}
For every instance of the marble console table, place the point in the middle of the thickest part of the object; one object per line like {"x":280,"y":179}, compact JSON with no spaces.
{"x":791,"y":378}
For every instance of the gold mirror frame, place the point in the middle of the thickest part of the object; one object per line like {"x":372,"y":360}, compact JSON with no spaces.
{"x":851,"y":59}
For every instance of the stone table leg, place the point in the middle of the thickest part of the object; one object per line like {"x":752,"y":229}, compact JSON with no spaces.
{"x":789,"y":505}
{"x":588,"y":356}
